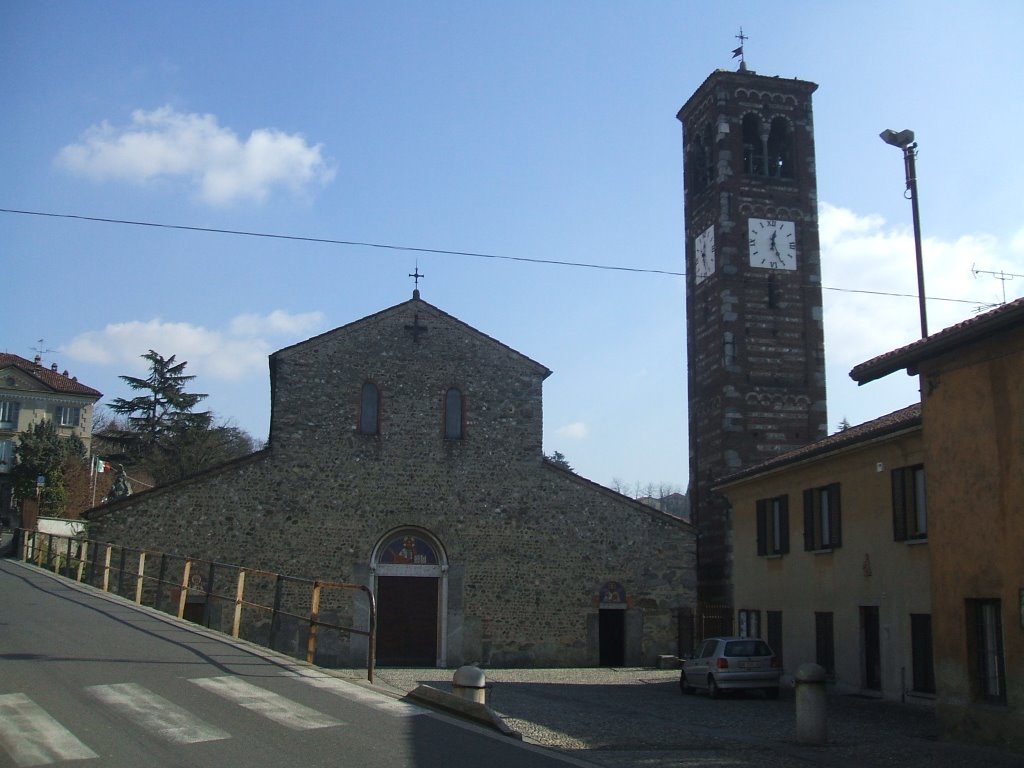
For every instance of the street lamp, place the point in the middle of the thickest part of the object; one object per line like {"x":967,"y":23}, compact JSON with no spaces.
{"x":905,"y":141}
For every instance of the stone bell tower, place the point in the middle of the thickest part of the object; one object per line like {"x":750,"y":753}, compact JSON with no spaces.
{"x":755,"y":340}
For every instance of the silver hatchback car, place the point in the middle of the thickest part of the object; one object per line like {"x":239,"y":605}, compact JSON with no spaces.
{"x":732,"y":663}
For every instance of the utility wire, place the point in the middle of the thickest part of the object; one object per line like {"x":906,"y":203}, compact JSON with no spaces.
{"x":412,"y":249}
{"x":331,"y":241}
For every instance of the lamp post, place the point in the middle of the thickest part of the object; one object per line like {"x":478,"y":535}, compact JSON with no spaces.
{"x":905,"y":141}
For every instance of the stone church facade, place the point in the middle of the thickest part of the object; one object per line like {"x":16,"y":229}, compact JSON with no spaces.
{"x":406,"y":455}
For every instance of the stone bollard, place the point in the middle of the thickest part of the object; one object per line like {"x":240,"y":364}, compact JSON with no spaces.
{"x":470,"y":683}
{"x":810,"y":704}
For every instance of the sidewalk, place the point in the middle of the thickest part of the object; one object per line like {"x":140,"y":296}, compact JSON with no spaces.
{"x":637,"y":718}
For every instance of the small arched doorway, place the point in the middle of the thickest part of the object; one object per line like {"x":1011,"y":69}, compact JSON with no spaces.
{"x":410,"y":570}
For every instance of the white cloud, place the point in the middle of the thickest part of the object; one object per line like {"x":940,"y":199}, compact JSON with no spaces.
{"x":237,"y":353}
{"x":277,"y":322}
{"x":871,"y":306}
{"x":169,"y":144}
{"x":577,"y":430}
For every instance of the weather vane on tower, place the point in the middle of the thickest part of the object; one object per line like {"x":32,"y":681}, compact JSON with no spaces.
{"x":738,"y":52}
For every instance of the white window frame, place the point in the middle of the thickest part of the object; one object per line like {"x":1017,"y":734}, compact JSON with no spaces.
{"x":69,"y":415}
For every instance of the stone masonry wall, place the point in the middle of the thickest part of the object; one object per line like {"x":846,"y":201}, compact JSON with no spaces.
{"x":528,"y":545}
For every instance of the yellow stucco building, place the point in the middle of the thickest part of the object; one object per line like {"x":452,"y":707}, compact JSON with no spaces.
{"x":832,"y":557}
{"x":973,"y":427}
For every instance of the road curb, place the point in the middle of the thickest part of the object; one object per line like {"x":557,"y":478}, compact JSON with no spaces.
{"x":456,"y":705}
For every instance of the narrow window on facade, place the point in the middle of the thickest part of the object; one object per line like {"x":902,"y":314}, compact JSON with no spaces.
{"x":824,"y":643}
{"x":822,"y":520}
{"x":369,"y":409}
{"x":453,"y":414}
{"x":773,"y":526}
{"x":749,"y":622}
{"x":985,"y":650}
{"x":6,"y":455}
{"x":9,"y":413}
{"x":753,"y":148}
{"x":909,"y":511}
{"x":698,"y":164}
{"x":921,"y":652}
{"x":709,"y":142}
{"x":780,"y":150}
{"x":68,"y":415}
{"x":774,"y":619}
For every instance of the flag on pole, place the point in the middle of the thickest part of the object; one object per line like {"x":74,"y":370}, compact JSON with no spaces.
{"x":99,"y":466}
{"x":737,"y":52}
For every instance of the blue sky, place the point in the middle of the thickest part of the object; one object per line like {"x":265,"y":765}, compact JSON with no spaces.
{"x":533,"y":130}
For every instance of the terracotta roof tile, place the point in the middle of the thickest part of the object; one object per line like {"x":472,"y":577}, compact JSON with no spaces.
{"x":58,"y":382}
{"x":869,"y":430}
{"x":968,"y":331}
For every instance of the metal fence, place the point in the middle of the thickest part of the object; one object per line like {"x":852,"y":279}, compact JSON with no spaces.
{"x":281,"y":612}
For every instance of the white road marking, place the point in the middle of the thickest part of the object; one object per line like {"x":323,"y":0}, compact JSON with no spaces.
{"x":359,"y":694}
{"x":267,"y":703}
{"x":156,"y":714}
{"x":32,"y":737}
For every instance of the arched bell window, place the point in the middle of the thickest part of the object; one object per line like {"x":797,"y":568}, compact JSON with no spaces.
{"x":780,"y":150}
{"x":753,"y":147}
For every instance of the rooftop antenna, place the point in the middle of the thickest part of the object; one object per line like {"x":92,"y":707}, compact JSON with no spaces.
{"x":41,"y":349}
{"x":738,"y":52}
{"x":1003,"y":277}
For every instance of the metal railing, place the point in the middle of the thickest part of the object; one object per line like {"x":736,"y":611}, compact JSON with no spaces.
{"x":183,"y":584}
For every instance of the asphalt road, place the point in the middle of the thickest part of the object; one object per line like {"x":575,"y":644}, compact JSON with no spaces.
{"x":88,"y":679}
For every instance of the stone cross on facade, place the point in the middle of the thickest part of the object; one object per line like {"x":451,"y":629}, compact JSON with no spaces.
{"x":416,"y":329}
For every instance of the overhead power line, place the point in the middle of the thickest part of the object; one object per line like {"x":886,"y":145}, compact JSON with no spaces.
{"x":414,"y":249}
{"x":331,"y":241}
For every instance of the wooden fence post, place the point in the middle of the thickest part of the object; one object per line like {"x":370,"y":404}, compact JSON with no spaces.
{"x":314,"y":622}
{"x":186,"y":573}
{"x":140,"y":578}
{"x":83,"y":556}
{"x":238,"y":603}
{"x":106,"y":567}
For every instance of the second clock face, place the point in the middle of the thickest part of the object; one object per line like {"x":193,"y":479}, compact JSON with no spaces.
{"x":772,"y":243}
{"x":704,"y":253}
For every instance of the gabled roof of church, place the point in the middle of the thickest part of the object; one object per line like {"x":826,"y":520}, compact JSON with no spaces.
{"x":968,"y":332}
{"x":414,"y":303}
{"x":48,"y":377}
{"x":897,"y":421}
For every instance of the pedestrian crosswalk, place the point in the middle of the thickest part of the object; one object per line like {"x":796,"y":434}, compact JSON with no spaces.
{"x":32,"y":736}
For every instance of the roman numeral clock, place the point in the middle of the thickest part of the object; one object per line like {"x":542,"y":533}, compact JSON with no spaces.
{"x":755,"y":340}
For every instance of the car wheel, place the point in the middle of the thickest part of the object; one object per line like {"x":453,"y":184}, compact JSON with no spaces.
{"x":713,"y":690}
{"x":772,"y":693}
{"x":683,"y":685}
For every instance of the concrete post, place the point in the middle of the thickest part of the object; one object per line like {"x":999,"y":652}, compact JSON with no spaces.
{"x":810,"y":704}
{"x":470,"y":683}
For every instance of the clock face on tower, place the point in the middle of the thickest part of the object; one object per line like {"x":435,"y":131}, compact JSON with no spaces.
{"x":772,"y":243}
{"x":704,"y":254}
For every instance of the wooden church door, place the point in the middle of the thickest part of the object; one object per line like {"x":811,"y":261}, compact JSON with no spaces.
{"x":410,"y":600}
{"x":407,"y":621}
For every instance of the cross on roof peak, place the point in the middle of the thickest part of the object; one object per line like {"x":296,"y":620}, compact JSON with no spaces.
{"x":416,"y":275}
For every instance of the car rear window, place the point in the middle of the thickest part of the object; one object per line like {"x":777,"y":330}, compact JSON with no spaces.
{"x":747,"y":648}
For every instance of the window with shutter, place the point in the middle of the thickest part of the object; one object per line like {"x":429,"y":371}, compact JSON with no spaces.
{"x":909,"y":512}
{"x":773,"y":526}
{"x":822,"y":518}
